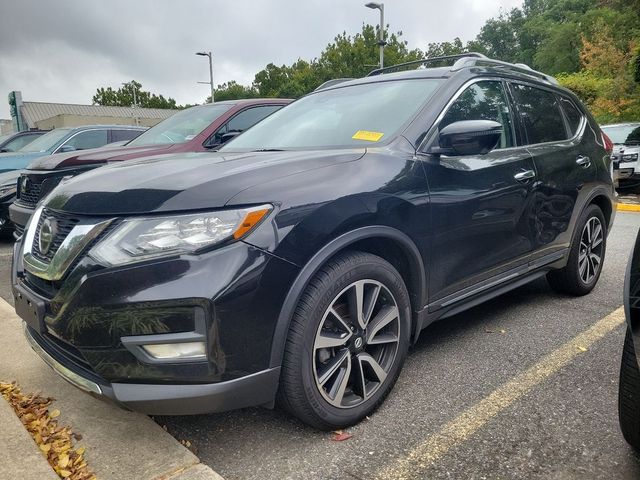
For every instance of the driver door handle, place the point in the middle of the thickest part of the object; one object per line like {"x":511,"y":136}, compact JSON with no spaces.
{"x":524,"y":175}
{"x":583,"y":161}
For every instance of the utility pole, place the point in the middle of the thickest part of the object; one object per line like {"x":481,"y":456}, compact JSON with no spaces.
{"x":210,"y":82}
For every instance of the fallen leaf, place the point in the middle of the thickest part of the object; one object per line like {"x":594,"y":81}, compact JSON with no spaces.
{"x":341,"y":437}
{"x":581,"y":348}
{"x":55,"y":413}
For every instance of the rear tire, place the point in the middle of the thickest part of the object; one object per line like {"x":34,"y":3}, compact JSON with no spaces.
{"x":629,"y":394}
{"x":586,"y":255}
{"x":347,"y":342}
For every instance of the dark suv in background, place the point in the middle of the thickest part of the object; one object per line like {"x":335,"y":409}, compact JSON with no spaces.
{"x":196,"y":129}
{"x":300,"y":261}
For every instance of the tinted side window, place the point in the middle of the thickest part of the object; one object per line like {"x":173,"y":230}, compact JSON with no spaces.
{"x":122,"y":135}
{"x":483,"y":101}
{"x":573,"y":114}
{"x":540,"y":114}
{"x":243,"y":120}
{"x":88,"y":139}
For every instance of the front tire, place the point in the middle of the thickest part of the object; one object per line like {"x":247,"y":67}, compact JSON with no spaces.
{"x":629,"y":394}
{"x":347,"y":341}
{"x":586,"y":255}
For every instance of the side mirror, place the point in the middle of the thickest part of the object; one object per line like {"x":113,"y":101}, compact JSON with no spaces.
{"x":468,"y":137}
{"x":229,"y":135}
{"x":5,"y":150}
{"x":67,"y":148}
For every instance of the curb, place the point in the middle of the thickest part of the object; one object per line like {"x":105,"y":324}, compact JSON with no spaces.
{"x":119,"y":444}
{"x":627,"y":207}
{"x":18,"y":449}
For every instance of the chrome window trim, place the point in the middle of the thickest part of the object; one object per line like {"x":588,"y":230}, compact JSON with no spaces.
{"x":77,"y":240}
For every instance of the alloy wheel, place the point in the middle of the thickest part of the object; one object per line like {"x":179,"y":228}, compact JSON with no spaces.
{"x":590,"y":256}
{"x":356,"y":343}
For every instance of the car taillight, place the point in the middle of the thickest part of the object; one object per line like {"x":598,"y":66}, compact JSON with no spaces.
{"x":608,"y":144}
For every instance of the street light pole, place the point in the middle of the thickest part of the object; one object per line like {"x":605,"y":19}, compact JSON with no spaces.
{"x":135,"y":101}
{"x":381,"y":41}
{"x":210,"y":82}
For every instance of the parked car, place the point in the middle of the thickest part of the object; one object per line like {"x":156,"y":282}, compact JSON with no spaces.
{"x":196,"y":129}
{"x":15,"y":141}
{"x":629,"y":387}
{"x":301,"y":260}
{"x":7,"y":196}
{"x":67,"y":140}
{"x":626,"y":150}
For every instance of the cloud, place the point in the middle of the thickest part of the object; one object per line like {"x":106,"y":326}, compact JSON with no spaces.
{"x":61,"y":51}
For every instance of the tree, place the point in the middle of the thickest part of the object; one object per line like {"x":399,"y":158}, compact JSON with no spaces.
{"x":346,"y":57}
{"x":123,"y":97}
{"x":233,"y":91}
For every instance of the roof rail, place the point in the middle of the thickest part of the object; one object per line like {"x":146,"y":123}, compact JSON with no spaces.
{"x":424,"y":61}
{"x":331,"y":83}
{"x":514,"y":67}
{"x":470,"y":59}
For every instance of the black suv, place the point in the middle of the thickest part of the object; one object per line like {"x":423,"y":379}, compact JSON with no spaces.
{"x":300,"y":261}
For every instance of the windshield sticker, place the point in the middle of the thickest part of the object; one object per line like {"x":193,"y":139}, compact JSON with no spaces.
{"x":367,"y":135}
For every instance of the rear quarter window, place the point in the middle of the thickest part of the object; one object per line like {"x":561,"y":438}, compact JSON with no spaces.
{"x":540,"y":113}
{"x":574,"y":116}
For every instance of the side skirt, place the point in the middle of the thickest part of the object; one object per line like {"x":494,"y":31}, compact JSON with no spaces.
{"x":488,"y":289}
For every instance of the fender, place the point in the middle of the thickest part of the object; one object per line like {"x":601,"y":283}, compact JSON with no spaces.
{"x":326,"y":252}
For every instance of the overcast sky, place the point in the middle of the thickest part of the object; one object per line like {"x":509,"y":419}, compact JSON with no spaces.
{"x":62,"y":50}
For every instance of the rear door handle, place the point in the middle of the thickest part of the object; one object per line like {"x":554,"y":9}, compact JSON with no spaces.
{"x":524,"y":175}
{"x":583,"y":161}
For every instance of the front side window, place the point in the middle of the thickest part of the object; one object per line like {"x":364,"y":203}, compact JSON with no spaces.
{"x":88,"y":139}
{"x":182,"y":126}
{"x":349,"y":116}
{"x":19,"y":142}
{"x":242,"y":121}
{"x":485,"y":100}
{"x":540,"y":113}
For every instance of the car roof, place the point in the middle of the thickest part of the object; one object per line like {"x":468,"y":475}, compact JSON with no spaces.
{"x":622,"y":124}
{"x":115,"y":126}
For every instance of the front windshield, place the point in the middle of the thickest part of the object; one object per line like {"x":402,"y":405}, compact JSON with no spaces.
{"x":181,"y":127}
{"x":46,"y":142}
{"x":623,"y":134}
{"x":352,"y":116}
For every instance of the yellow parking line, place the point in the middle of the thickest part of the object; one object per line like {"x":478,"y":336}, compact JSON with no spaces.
{"x":628,"y":207}
{"x":471,"y":420}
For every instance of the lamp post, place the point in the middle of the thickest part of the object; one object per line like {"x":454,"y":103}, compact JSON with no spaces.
{"x":210,"y":82}
{"x":381,"y":42}
{"x":135,"y":100}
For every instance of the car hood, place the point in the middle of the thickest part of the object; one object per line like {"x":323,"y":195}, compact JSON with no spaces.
{"x":95,"y":156}
{"x":188,"y":181}
{"x":7,"y":178}
{"x":15,"y":160}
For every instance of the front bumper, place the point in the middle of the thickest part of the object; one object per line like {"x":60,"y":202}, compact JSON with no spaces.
{"x":256,"y":389}
{"x":20,"y":215}
{"x":80,"y":328}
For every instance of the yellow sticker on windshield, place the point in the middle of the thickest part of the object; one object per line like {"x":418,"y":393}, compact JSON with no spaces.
{"x":367,"y":135}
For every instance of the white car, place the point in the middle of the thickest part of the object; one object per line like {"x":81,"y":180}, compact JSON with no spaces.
{"x":626,"y":150}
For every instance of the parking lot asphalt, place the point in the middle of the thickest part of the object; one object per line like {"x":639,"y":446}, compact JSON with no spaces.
{"x":465,"y":405}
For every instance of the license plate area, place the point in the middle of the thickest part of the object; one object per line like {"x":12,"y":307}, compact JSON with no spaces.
{"x":29,"y":307}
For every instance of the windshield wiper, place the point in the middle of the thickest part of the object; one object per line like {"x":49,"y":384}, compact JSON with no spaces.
{"x":268,"y":150}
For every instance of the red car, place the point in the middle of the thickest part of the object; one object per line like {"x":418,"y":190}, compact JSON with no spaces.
{"x":196,"y":129}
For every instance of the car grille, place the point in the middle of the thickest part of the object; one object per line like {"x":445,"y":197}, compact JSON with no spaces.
{"x":64,"y":224}
{"x":30,"y":192}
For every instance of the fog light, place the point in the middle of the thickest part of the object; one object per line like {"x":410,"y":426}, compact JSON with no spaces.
{"x":167,"y":351}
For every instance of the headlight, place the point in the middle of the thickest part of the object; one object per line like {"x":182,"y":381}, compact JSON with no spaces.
{"x":6,"y":190}
{"x":629,"y":157}
{"x":139,"y":239}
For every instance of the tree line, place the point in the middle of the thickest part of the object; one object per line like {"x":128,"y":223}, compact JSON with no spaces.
{"x":591,"y":46}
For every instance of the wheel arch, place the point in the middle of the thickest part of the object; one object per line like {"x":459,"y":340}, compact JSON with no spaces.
{"x":387,"y":242}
